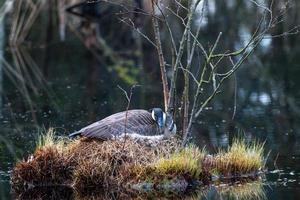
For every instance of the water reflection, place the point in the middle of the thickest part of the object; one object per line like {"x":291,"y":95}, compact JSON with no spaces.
{"x":46,"y":193}
{"x":244,"y":191}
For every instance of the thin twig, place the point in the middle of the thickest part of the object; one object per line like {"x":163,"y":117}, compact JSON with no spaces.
{"x":128,"y":98}
{"x":179,"y":56}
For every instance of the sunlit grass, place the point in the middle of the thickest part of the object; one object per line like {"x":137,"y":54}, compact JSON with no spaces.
{"x":240,"y":157}
{"x":45,"y":140}
{"x":50,"y":140}
{"x":185,"y":161}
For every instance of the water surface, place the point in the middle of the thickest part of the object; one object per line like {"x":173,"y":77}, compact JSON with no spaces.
{"x":64,"y":85}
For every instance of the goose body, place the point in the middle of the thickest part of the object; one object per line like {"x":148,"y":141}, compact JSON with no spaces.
{"x":135,"y":123}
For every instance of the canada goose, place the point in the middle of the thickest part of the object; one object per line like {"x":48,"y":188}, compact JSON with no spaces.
{"x":153,"y":124}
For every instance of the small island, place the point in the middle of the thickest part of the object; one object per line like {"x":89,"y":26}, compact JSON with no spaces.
{"x":87,"y":165}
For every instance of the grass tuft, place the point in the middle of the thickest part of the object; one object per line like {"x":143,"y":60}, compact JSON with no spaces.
{"x":45,"y":140}
{"x":49,"y":140}
{"x":240,"y":158}
{"x":186,"y":162}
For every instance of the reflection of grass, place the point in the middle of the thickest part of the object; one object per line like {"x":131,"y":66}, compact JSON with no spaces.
{"x":46,"y":193}
{"x":87,"y":164}
{"x":246,"y":191}
{"x":243,"y":191}
{"x":254,"y":190}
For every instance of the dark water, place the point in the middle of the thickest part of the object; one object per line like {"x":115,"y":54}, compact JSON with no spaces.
{"x":65,"y":85}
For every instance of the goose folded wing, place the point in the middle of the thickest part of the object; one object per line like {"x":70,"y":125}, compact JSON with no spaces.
{"x":136,"y":121}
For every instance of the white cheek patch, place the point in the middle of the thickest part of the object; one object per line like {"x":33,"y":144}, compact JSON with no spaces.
{"x":174,"y":129}
{"x":164,"y":119}
{"x":152,"y":114}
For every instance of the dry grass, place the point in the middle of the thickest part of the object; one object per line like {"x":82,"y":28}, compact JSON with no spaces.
{"x":104,"y":163}
{"x":47,"y":166}
{"x":169,"y":173}
{"x":87,"y":164}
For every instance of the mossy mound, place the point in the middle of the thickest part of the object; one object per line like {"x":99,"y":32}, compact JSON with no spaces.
{"x":90,"y":165}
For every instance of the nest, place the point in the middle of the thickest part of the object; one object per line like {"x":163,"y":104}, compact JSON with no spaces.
{"x":89,"y":165}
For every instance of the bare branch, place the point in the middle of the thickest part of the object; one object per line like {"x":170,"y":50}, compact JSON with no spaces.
{"x":179,"y":55}
{"x":161,"y":58}
{"x":138,"y":31}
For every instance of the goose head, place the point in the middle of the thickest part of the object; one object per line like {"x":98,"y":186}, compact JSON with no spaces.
{"x":164,"y":121}
{"x":158,"y":116}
